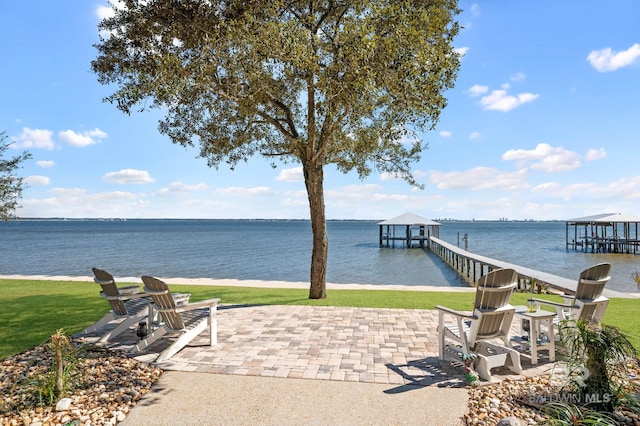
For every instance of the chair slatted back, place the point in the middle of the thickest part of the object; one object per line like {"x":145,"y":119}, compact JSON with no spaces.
{"x":493,"y":293}
{"x":495,"y":288}
{"x":109,"y":288}
{"x":162,"y":298}
{"x":592,"y":281}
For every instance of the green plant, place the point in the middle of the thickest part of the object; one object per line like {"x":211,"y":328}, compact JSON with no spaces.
{"x":560,"y":414}
{"x":470,"y":374}
{"x":635,"y":276}
{"x":59,"y":377}
{"x":603,"y":353}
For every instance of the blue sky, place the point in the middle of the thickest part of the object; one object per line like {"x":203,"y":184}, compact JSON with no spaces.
{"x":543,"y":124}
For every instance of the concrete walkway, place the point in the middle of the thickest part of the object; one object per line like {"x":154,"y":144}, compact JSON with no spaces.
{"x":310,"y":365}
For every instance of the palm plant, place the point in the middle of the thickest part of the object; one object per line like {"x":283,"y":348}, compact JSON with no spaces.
{"x":605,"y":353}
{"x":564,"y":414}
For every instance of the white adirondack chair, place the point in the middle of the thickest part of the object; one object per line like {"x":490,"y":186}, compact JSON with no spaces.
{"x":182,"y":322}
{"x":128,"y":303}
{"x":485,"y":331}
{"x":588,"y":304}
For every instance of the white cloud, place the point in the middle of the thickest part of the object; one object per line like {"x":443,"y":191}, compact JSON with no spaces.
{"x":109,"y":11}
{"x":37,"y":180}
{"x":544,"y":157}
{"x":246,"y":192}
{"x":34,"y":138}
{"x":477,"y":90}
{"x":68,"y":192}
{"x":499,"y":100}
{"x":409,"y":138}
{"x":291,"y":175}
{"x":606,"y":60}
{"x":519,"y":76}
{"x":387,"y":176}
{"x":624,"y":188}
{"x":45,"y":164}
{"x":83,"y":139}
{"x":462,"y":51}
{"x":479,"y":178}
{"x":181,"y":188}
{"x":546,"y":187}
{"x":295,"y":199}
{"x":104,"y":12}
{"x":77,"y":202}
{"x":475,"y":9}
{"x":595,"y":154}
{"x":474,"y":135}
{"x":129,"y":176}
{"x":445,"y":134}
{"x":364,"y":191}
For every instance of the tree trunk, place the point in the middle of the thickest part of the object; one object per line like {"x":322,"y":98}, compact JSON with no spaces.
{"x":314,"y":181}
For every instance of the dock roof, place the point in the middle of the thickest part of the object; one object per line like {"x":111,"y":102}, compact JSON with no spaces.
{"x":409,"y":219}
{"x":607,"y":218}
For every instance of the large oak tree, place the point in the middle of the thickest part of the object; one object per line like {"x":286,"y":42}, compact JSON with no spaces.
{"x":343,"y":82}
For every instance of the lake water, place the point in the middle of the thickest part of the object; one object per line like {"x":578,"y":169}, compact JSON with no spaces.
{"x":281,"y":250}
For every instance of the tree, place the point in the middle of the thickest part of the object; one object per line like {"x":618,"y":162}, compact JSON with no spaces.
{"x":343,"y":82}
{"x":11,"y":186}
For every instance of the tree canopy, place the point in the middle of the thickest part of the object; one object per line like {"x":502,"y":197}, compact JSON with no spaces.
{"x":343,"y":82}
{"x":11,"y":185}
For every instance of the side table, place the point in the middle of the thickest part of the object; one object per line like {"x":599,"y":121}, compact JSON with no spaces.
{"x":532,"y":339}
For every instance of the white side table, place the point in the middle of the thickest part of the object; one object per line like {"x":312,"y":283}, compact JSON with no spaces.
{"x":532,"y":339}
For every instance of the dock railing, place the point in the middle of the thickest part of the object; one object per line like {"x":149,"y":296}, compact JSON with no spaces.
{"x":472,"y":266}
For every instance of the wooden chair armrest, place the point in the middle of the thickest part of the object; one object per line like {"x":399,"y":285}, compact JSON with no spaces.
{"x":551,"y":303}
{"x":459,"y":314}
{"x":129,"y":289}
{"x":125,"y":297}
{"x":197,"y":305}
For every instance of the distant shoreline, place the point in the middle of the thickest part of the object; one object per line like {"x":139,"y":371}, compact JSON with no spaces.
{"x":247,"y":283}
{"x":124,"y":219}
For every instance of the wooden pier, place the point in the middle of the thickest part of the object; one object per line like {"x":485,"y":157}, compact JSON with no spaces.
{"x":472,"y":266}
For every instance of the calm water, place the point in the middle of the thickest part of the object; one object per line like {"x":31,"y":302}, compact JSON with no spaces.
{"x":281,"y":250}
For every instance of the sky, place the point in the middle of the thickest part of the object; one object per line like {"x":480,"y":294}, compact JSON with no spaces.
{"x":542,"y":124}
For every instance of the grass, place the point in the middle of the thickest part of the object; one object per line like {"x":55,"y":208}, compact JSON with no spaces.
{"x":32,"y":310}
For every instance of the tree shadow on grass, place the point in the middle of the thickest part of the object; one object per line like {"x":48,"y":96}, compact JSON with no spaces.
{"x":29,"y":321}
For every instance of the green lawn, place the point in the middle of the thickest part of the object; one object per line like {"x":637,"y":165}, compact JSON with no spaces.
{"x":32,"y":310}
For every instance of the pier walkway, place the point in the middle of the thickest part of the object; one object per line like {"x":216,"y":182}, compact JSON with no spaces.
{"x":472,"y":266}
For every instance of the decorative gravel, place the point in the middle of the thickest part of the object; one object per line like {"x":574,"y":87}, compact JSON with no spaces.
{"x":107,"y":385}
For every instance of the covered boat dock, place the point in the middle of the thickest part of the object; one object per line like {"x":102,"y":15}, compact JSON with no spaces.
{"x":604,"y":233}
{"x":412,"y":229}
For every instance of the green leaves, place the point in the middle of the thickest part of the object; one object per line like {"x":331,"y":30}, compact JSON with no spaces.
{"x":280,"y":77}
{"x":11,"y":185}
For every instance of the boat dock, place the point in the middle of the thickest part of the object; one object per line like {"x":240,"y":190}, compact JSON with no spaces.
{"x":413,"y":229}
{"x":604,"y":233}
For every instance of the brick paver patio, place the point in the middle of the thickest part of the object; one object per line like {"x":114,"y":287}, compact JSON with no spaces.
{"x":392,"y":346}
